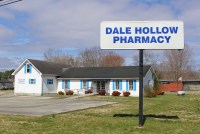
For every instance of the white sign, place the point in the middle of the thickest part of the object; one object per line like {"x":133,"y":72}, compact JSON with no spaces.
{"x":21,"y":81}
{"x":142,"y":35}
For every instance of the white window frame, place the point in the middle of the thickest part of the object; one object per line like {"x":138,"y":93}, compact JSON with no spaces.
{"x":117,"y":84}
{"x":130,"y":84}
{"x":84,"y":84}
{"x":66,"y":84}
{"x":28,"y":68}
{"x":32,"y":81}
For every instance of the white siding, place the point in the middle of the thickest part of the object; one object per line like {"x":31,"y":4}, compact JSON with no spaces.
{"x":133,"y":93}
{"x":49,"y":88}
{"x":27,"y":88}
{"x":74,"y":84}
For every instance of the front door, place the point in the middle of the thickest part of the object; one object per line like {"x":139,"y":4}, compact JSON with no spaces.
{"x":100,"y":85}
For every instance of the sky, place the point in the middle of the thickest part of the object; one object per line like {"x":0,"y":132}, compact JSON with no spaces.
{"x":30,"y":27}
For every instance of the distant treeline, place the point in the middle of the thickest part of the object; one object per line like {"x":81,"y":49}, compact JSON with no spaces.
{"x":6,"y":74}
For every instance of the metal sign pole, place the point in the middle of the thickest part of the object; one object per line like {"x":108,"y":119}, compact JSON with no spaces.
{"x":141,"y":88}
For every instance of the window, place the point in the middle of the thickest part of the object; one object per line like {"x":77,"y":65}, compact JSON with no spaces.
{"x":130,"y":84}
{"x":28,"y":68}
{"x":49,"y":81}
{"x":84,"y":84}
{"x":21,"y":81}
{"x":67,"y":84}
{"x":117,"y":84}
{"x":102,"y":84}
{"x":32,"y":81}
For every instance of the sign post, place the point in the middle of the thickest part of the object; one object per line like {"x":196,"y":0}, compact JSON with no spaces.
{"x":141,"y":35}
{"x":141,"y":118}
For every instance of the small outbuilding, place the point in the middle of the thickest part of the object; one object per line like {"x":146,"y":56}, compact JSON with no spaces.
{"x":6,"y":84}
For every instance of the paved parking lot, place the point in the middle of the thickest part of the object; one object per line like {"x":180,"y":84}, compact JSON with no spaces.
{"x":41,"y":106}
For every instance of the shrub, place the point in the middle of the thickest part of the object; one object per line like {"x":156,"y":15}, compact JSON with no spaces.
{"x":116,"y":93}
{"x":159,"y":92}
{"x":60,"y":93}
{"x":126,"y":93}
{"x":69,"y":92}
{"x":148,"y":92}
{"x":88,"y":91}
{"x":102,"y":92}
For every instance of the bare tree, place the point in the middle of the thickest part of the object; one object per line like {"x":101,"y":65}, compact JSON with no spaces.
{"x":112,"y":59}
{"x":177,"y":61}
{"x":61,"y":57}
{"x":91,"y":57}
{"x":150,"y":58}
{"x":94,"y":57}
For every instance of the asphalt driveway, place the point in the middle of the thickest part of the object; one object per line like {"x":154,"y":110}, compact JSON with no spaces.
{"x":41,"y":106}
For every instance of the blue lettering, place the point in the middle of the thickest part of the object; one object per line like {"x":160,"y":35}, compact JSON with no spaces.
{"x":115,"y":39}
{"x":108,"y":30}
{"x":167,"y":38}
{"x":123,"y":39}
{"x":173,"y":29}
{"x":157,"y":30}
{"x":145,"y":39}
{"x":121,"y":31}
{"x":160,"y":39}
{"x":115,"y":31}
{"x":165,"y":30}
{"x":145,"y":30}
{"x":151,"y":29}
{"x":137,"y":39}
{"x":153,"y":39}
{"x":130,"y":40}
{"x":138,"y":30}
{"x":128,"y":30}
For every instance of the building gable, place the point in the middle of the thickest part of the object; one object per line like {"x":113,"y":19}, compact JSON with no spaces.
{"x":27,"y":67}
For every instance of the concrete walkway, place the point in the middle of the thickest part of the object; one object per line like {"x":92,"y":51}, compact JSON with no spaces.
{"x":41,"y":106}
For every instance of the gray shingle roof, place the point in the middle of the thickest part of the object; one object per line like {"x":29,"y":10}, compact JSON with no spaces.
{"x":88,"y":72}
{"x":104,"y":72}
{"x":48,"y":67}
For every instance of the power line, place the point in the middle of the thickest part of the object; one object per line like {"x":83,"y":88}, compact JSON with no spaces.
{"x":5,"y":1}
{"x":1,"y":5}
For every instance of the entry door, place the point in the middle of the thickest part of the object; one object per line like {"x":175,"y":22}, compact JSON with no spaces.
{"x":100,"y":85}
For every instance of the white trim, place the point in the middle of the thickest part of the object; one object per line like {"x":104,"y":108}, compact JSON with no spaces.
{"x":14,"y":73}
{"x":16,"y":70}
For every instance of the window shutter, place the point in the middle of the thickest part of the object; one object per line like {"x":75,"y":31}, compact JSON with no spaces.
{"x":81,"y":84}
{"x":68,"y":83}
{"x":126,"y":85}
{"x":34,"y":81}
{"x":47,"y":81}
{"x":24,"y":68}
{"x":113,"y":84}
{"x":30,"y":68}
{"x":134,"y":84}
{"x":29,"y":82}
{"x":52,"y":81}
{"x":120,"y":85}
{"x":87,"y":84}
{"x":63,"y":84}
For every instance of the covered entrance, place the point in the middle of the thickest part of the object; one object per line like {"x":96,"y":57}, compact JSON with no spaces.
{"x":100,"y":85}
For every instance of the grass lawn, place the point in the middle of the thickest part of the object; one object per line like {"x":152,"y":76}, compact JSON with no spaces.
{"x":3,"y":92}
{"x":178,"y":114}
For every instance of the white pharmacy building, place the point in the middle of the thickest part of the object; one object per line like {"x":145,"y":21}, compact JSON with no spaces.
{"x":34,"y":77}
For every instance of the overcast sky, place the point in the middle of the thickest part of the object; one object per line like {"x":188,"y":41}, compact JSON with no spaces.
{"x":30,"y":27}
